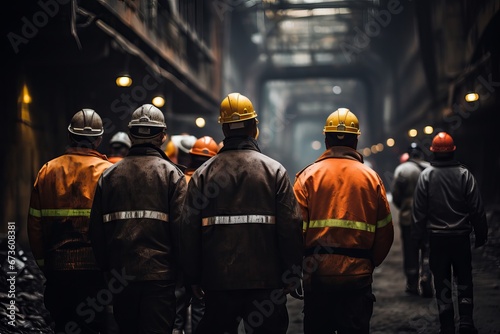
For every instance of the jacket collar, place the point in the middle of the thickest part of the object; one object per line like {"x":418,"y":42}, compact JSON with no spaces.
{"x":341,"y":152}
{"x":147,"y":149}
{"x":445,"y":163}
{"x":240,"y":143}
{"x":85,"y":151}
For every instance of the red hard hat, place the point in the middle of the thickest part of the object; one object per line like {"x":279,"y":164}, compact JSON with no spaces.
{"x":442,"y":142}
{"x":205,"y":146}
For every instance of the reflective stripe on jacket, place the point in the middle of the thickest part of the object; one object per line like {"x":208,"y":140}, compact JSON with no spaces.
{"x":347,"y":221}
{"x":61,"y":199}
{"x":242,"y":226}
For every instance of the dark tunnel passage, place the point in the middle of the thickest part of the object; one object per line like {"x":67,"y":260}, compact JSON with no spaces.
{"x":407,"y":69}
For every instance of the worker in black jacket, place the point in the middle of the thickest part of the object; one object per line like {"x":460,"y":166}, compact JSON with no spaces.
{"x":242,"y":240}
{"x":134,"y":228}
{"x":448,"y":204}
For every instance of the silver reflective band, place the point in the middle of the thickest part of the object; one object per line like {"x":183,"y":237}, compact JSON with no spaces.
{"x":135,"y":215}
{"x":244,"y":219}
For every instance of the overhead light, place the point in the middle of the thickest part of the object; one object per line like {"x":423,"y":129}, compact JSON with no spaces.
{"x":472,"y":97}
{"x":390,"y":142}
{"x":337,"y":90}
{"x":200,"y":122}
{"x":316,"y":145}
{"x":380,"y":147}
{"x":412,"y":133}
{"x":158,"y":101}
{"x":367,"y":152}
{"x":124,"y":80}
{"x":428,"y":130}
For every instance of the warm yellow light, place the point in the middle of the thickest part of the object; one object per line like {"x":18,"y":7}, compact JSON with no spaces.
{"x":200,"y":122}
{"x":366,"y":152}
{"x":124,"y":81}
{"x":316,"y":145}
{"x":428,"y":130}
{"x":412,"y":133}
{"x":390,"y":142}
{"x":26,"y":95}
{"x":158,"y":101}
{"x":374,"y":149}
{"x":380,"y":147}
{"x":471,"y":97}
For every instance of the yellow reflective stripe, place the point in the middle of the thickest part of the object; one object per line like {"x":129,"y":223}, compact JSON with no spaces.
{"x":304,"y":225}
{"x":385,"y":221}
{"x":35,"y":213}
{"x":138,"y":214}
{"x":351,"y":224}
{"x":243,"y":219}
{"x":60,"y":213}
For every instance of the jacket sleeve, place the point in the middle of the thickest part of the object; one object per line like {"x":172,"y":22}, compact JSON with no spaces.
{"x":288,"y":225}
{"x":301,"y":196}
{"x":96,"y":229}
{"x":35,"y":233}
{"x":177,"y":198}
{"x":397,"y":187}
{"x":384,"y":233}
{"x":190,"y":231}
{"x":477,"y":214}
{"x":420,"y":209}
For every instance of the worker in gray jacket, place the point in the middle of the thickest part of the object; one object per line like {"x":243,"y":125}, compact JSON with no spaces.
{"x":448,"y":205}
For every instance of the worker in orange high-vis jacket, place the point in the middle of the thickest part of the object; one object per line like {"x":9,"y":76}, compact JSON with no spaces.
{"x":348,"y":231}
{"x":58,"y":224}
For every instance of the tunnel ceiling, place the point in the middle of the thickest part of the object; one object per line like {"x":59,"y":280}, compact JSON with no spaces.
{"x":300,"y":39}
{"x":308,"y":33}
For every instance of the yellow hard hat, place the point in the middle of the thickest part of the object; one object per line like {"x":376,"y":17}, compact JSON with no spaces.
{"x":236,"y":108}
{"x":171,"y":150}
{"x":342,"y":120}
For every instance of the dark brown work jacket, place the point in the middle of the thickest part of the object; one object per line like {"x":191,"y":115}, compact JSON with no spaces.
{"x":348,"y":226}
{"x":134,"y":224}
{"x":61,"y":199}
{"x":242,"y":226}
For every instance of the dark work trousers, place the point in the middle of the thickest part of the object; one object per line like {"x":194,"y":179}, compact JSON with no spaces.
{"x":76,"y":300}
{"x":344,"y":311}
{"x":447,"y":252}
{"x":186,"y":301}
{"x":197,"y":311}
{"x":262,"y":311}
{"x":411,"y":259}
{"x":145,"y":307}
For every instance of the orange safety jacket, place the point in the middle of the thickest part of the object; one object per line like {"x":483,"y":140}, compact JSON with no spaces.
{"x":59,"y":213}
{"x":115,"y":159}
{"x":347,"y":222}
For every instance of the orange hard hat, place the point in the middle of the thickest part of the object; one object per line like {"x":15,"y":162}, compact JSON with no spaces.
{"x":404,"y":157}
{"x":205,"y":146}
{"x":442,"y":142}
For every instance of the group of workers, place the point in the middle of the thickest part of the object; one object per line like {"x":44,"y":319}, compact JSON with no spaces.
{"x":226,"y":231}
{"x":439,"y":205}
